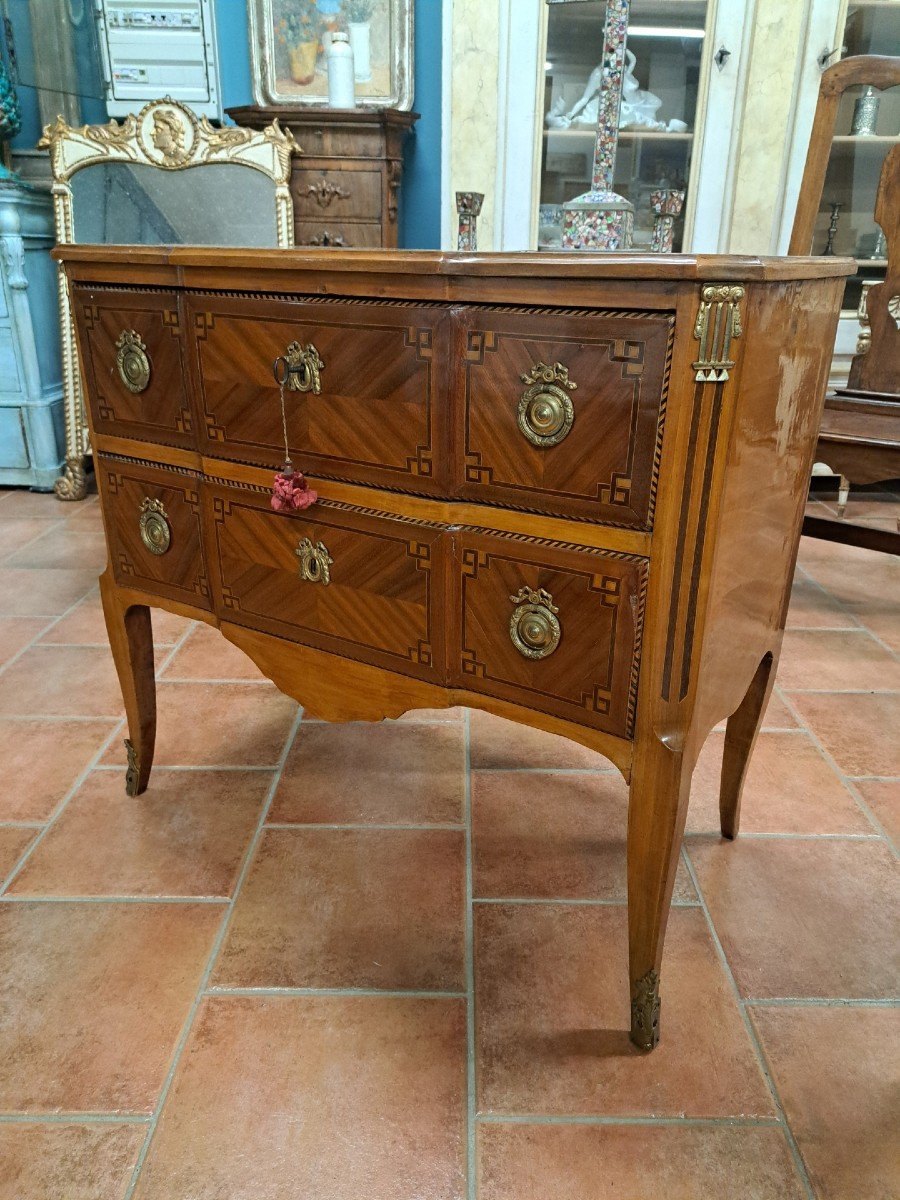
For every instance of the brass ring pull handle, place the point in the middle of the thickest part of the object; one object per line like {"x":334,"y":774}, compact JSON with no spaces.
{"x":156,"y":532}
{"x":132,"y":361}
{"x":534,"y":626}
{"x":546,"y":413}
{"x":315,"y":562}
{"x":298,"y":368}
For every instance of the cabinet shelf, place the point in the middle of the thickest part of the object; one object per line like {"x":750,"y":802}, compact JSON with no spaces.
{"x":857,"y":139}
{"x":660,"y":135}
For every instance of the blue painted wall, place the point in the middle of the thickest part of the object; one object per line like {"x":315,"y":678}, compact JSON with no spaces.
{"x":420,"y":210}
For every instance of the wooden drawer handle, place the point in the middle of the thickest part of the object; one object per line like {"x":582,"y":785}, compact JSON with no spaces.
{"x":298,"y":368}
{"x":156,"y":532}
{"x":325,"y":191}
{"x":546,"y":413}
{"x":315,"y":562}
{"x":132,"y":360}
{"x":534,"y":626}
{"x":325,"y":239}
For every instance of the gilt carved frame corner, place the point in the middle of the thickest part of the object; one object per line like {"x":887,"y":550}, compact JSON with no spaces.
{"x":167,"y":135}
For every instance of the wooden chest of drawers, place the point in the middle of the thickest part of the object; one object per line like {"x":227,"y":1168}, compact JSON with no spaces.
{"x":567,"y":490}
{"x":345,"y":183}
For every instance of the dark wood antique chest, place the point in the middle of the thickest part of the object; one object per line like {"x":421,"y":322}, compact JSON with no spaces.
{"x":564,"y":489}
{"x":345,"y":183}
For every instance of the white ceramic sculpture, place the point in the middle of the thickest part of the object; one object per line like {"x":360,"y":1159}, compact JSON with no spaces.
{"x":638,"y":109}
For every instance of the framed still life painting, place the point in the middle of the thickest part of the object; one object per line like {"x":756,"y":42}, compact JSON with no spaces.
{"x":288,"y":40}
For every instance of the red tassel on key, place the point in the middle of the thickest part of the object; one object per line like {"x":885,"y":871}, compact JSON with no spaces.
{"x":290,"y":490}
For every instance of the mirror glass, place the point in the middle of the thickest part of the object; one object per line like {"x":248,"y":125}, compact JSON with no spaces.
{"x":214,"y":204}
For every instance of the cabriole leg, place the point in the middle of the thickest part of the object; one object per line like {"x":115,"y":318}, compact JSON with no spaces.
{"x":741,"y":732}
{"x":657,"y":807}
{"x":131,"y":640}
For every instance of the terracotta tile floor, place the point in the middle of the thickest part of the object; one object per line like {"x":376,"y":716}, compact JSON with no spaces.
{"x":263,"y":978}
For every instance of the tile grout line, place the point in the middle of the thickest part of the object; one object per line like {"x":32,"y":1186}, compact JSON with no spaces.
{"x":60,"y":808}
{"x":362,"y":825}
{"x":212,"y":958}
{"x":846,"y":608}
{"x":799,"y":1164}
{"x":51,"y":623}
{"x":596,"y":1119}
{"x":846,"y":780}
{"x":81,"y":779}
{"x":398,"y":993}
{"x":468,"y":916}
{"x":821,"y":1002}
{"x":74,"y":1118}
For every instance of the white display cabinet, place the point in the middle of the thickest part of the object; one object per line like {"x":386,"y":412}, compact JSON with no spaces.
{"x":688,"y":55}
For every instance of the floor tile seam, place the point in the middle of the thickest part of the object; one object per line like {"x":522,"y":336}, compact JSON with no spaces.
{"x":859,"y":620}
{"x":85,"y":1117}
{"x":822,"y":1002}
{"x":203,"y":679}
{"x":571,"y":901}
{"x":117,"y":898}
{"x":212,"y":958}
{"x":589,"y":1119}
{"x":52,"y":621}
{"x":762,"y":1062}
{"x":795,"y":691}
{"x":53,"y":522}
{"x":845,"y":779}
{"x":261,"y":683}
{"x":810,"y":579}
{"x":60,"y":807}
{"x":438,"y":826}
{"x":224,"y":991}
{"x":802,"y":836}
{"x":858,"y":628}
{"x":159,"y":670}
{"x":469,"y":932}
{"x":544,"y":770}
{"x":867,"y":811}
{"x":61,"y":718}
{"x":267,"y":768}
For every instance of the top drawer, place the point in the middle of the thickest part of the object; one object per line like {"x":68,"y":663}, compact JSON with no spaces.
{"x":380,"y":415}
{"x":562,"y":412}
{"x":133,"y":363}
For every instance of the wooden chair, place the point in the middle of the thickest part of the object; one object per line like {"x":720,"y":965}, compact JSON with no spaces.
{"x":860,"y":434}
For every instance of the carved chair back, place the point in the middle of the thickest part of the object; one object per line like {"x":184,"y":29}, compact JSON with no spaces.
{"x":123,"y":199}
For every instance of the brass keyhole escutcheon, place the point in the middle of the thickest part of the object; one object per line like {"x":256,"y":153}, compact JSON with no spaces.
{"x":534,"y":626}
{"x":156,"y":532}
{"x":132,"y":361}
{"x":546,"y":413}
{"x":315,"y":562}
{"x":301,"y":366}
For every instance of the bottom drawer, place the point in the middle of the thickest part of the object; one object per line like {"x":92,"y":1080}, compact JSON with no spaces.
{"x":152,"y":517}
{"x":365,"y":587}
{"x":337,"y":233}
{"x":549,"y":627}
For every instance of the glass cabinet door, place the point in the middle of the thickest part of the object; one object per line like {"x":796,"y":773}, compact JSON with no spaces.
{"x":867,"y":126}
{"x":664,"y":63}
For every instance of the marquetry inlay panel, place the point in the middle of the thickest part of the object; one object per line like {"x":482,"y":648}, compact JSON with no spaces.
{"x":591,"y":675}
{"x":160,"y":410}
{"x":616,"y":365}
{"x":379,"y":415}
{"x":380,"y":603}
{"x":128,"y":490}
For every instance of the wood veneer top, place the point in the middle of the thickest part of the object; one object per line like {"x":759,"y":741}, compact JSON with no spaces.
{"x":627,"y":266}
